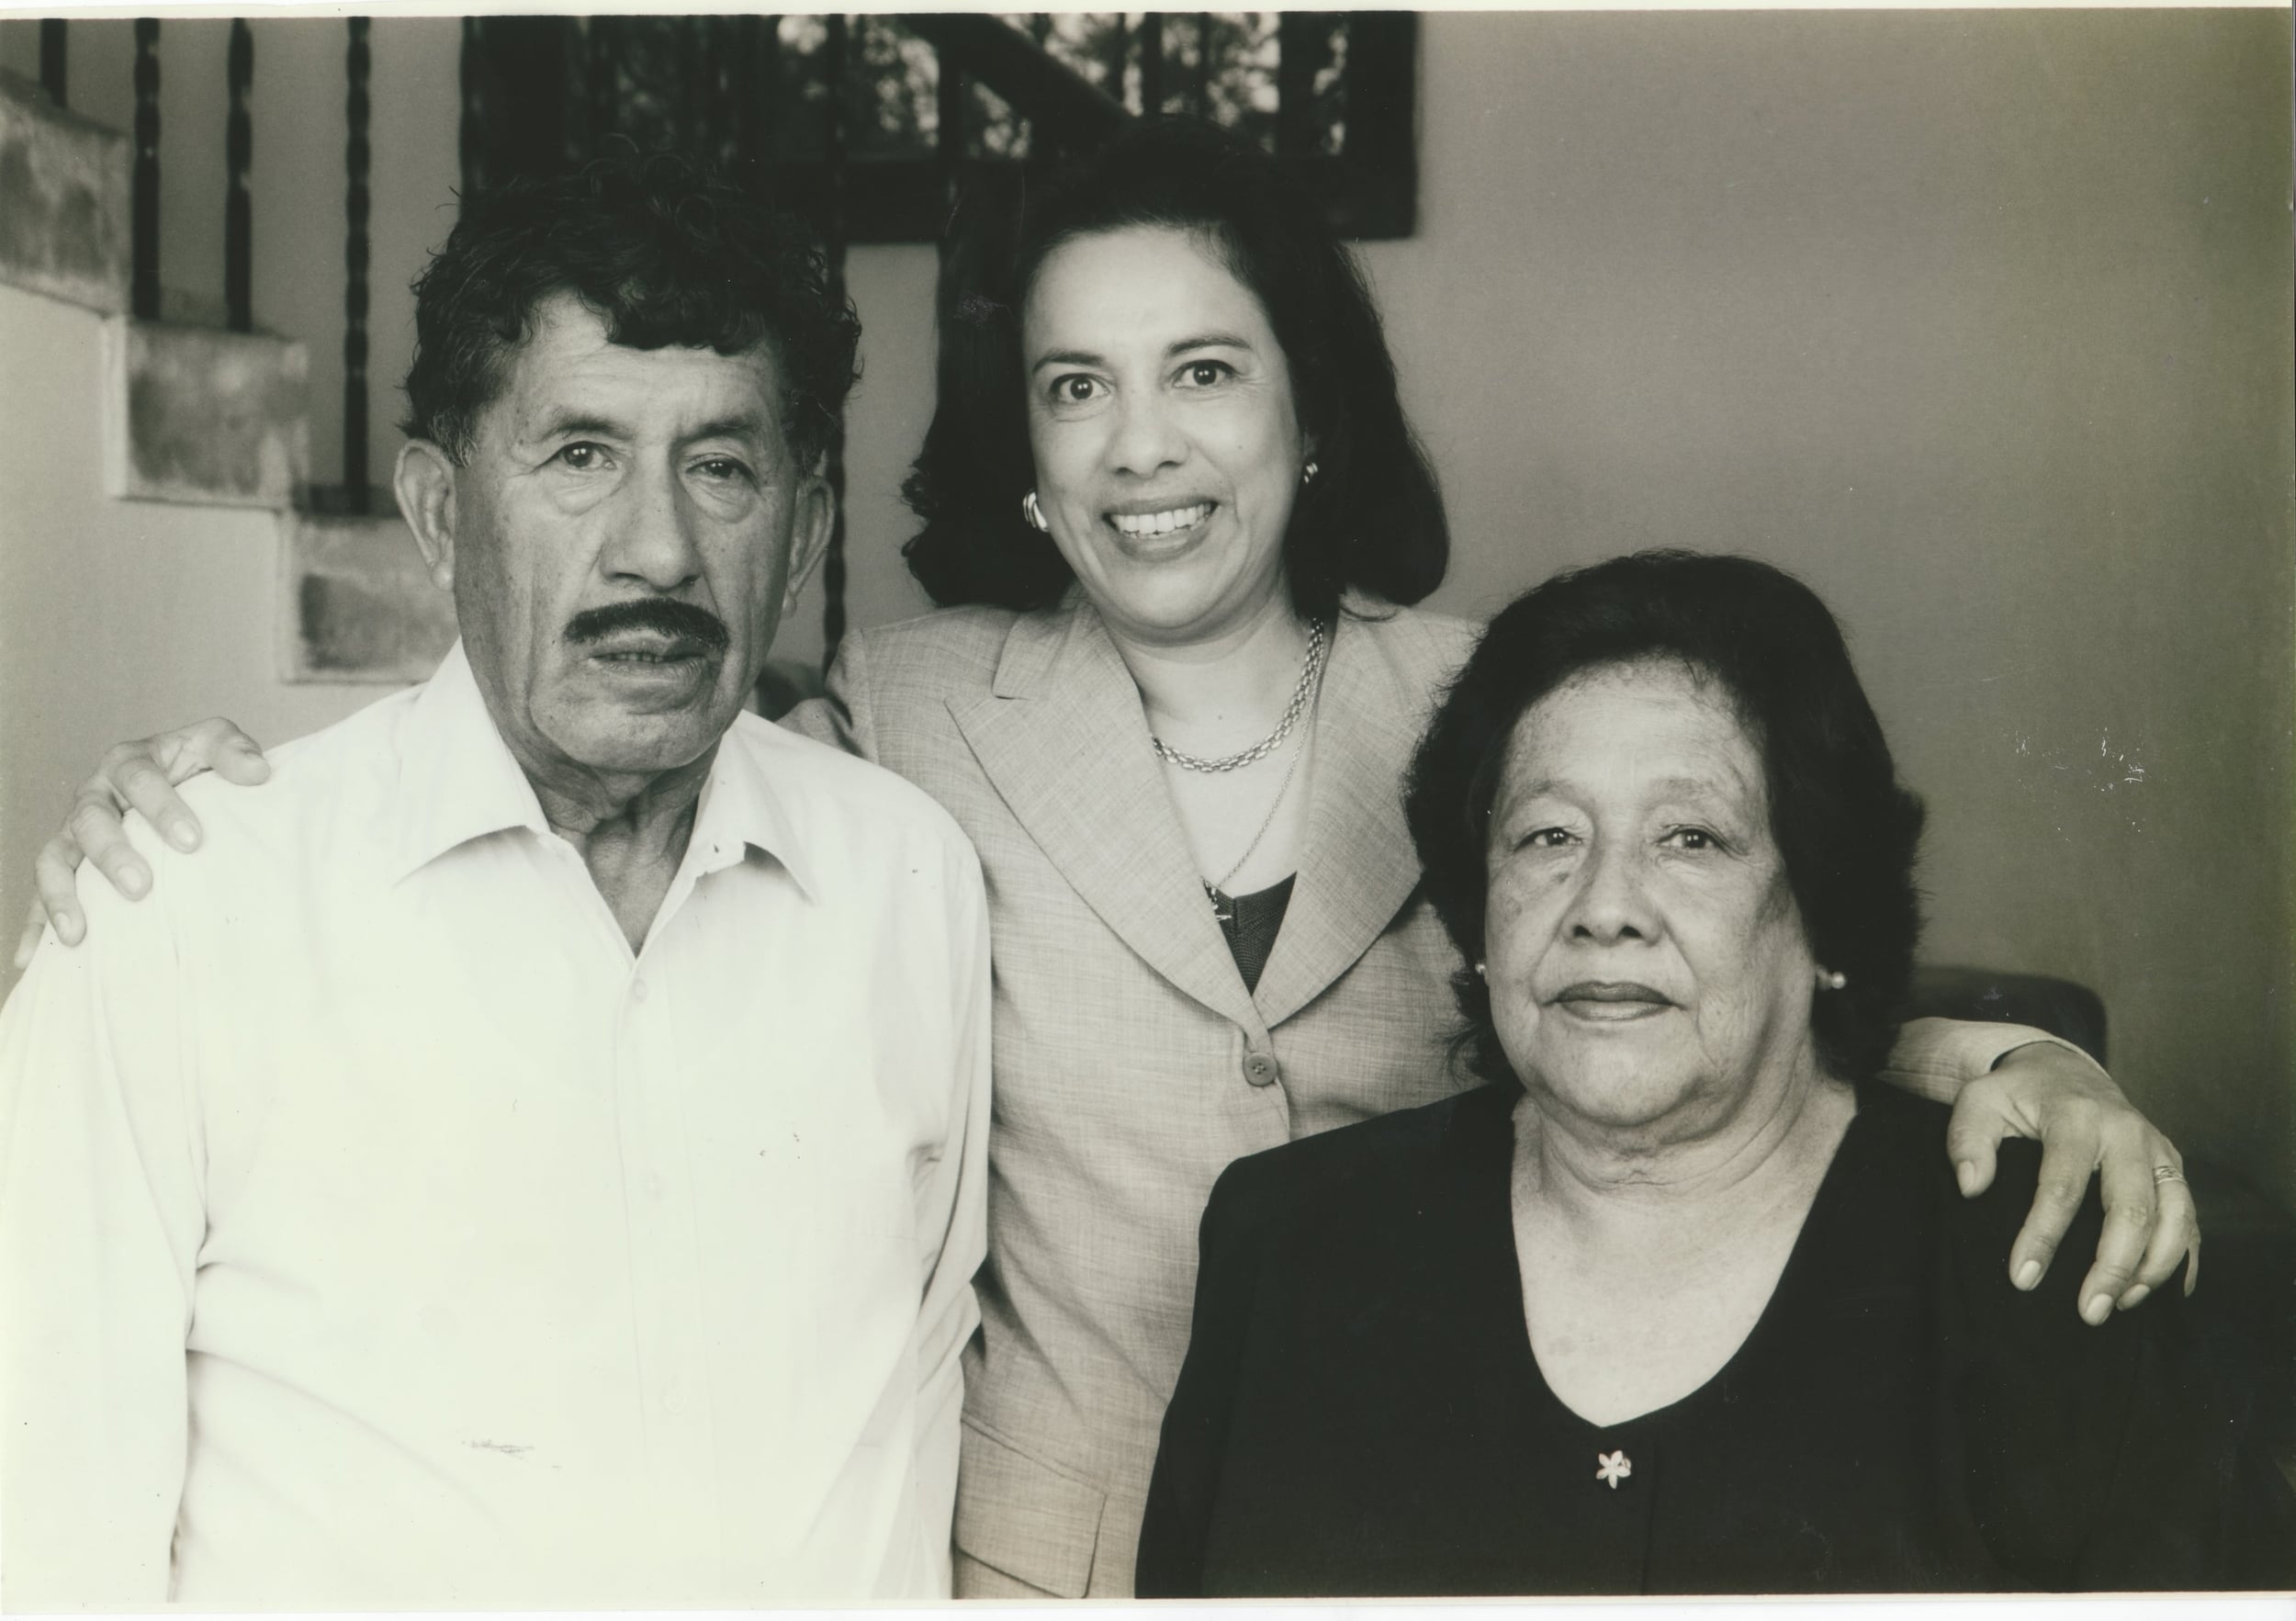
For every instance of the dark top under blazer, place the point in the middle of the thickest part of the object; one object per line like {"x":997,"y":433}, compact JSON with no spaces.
{"x":1360,"y":1412}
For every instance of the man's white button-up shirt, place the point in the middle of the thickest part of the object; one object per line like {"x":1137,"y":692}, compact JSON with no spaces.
{"x":377,"y":1230}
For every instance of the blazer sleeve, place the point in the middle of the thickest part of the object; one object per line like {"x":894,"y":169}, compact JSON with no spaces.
{"x":1185,"y":1484}
{"x":2120,"y":1457}
{"x":1935,"y":1058}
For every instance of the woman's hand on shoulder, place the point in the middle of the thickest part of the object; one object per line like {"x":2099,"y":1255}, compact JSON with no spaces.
{"x":139,"y":776}
{"x":2084,"y":1126}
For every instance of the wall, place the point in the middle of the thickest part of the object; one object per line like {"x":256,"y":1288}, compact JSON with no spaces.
{"x":1980,"y":322}
{"x":115,"y":617}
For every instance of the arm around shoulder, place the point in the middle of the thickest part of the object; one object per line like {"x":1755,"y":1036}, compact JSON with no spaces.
{"x":841,"y":717}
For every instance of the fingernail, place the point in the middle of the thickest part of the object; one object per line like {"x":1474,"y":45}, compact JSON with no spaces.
{"x":2027,"y":1274}
{"x":69,"y":928}
{"x":2135,"y":1296}
{"x":1965,"y":1173}
{"x":133,"y":882}
{"x":180,"y":835}
{"x":2099,"y":1308}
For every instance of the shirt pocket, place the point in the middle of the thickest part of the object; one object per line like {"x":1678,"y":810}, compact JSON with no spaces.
{"x":1022,"y":1516}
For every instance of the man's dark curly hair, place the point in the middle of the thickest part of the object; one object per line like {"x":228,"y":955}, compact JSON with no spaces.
{"x":1847,"y":830}
{"x":1373,"y":518}
{"x":665,"y":252}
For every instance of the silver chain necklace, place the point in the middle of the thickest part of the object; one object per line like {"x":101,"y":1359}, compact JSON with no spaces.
{"x":1302,"y":695}
{"x":1216,"y":890}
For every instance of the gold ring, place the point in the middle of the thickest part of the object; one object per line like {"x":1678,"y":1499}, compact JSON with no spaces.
{"x":2165,"y":1174}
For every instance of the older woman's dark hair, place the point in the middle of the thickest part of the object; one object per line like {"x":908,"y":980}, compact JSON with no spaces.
{"x":1372,"y":520}
{"x":664,"y":251}
{"x":1847,"y":830}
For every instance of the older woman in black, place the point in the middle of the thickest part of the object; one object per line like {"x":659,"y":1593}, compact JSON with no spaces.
{"x":1680,"y":1302}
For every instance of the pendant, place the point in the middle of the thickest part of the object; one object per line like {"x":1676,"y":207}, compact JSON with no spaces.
{"x":1222,"y":903}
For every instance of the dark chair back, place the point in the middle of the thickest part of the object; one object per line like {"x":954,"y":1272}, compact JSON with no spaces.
{"x":2072,"y":1012}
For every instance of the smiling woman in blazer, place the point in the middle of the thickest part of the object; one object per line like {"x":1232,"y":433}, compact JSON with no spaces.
{"x":1175,"y":517}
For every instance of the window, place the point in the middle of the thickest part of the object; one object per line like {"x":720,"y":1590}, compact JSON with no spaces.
{"x":865,"y":123}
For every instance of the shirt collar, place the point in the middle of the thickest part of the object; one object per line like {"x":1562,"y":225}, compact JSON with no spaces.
{"x":458,"y":782}
{"x":741,"y":807}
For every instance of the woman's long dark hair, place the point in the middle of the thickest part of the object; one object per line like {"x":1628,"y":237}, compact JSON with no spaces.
{"x":1372,"y":520}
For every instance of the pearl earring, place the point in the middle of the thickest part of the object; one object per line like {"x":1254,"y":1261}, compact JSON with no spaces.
{"x":1834,"y":981}
{"x":1034,"y":514}
{"x":1481,"y":971}
{"x":1307,"y":474}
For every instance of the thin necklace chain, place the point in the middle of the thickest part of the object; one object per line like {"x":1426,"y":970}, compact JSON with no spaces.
{"x":1302,"y":695}
{"x":1218,"y":891}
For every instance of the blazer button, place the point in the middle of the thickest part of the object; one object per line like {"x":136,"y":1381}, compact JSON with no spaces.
{"x":1260,"y":1069}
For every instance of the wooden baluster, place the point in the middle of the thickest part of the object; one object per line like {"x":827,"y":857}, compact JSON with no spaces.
{"x":239,"y":147}
{"x":604,"y":81}
{"x":949,"y":141}
{"x":833,"y":53}
{"x":1152,"y":64}
{"x":1298,"y":53}
{"x":477,"y":102}
{"x":1202,"y":107}
{"x":144,"y":211}
{"x":356,"y":159}
{"x":51,"y":58}
{"x":757,"y":94}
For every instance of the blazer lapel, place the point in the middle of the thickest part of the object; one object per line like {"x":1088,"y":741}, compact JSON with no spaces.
{"x":1060,"y":736}
{"x":1357,"y":868}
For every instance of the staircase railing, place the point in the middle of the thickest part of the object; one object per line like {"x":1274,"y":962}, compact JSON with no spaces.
{"x":539,"y":94}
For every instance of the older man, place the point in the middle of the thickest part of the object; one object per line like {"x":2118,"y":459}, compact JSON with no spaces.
{"x":536,"y":1154}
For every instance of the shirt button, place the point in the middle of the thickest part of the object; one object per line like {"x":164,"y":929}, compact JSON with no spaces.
{"x":637,"y":990}
{"x":1260,"y":1069}
{"x":652,"y":1186}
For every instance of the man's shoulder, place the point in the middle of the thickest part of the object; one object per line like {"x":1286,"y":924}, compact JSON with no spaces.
{"x":317,"y":778}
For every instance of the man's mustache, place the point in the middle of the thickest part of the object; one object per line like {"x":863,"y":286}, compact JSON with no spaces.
{"x":670,"y":617}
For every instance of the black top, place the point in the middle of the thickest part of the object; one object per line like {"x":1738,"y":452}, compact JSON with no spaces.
{"x":1360,"y":1412}
{"x":1250,"y":922}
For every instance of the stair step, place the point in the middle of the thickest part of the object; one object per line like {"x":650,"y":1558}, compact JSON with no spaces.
{"x":197,"y":415}
{"x":64,"y":184}
{"x":360,"y":605}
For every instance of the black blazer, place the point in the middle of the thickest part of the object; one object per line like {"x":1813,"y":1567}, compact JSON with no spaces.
{"x":1360,"y":1413}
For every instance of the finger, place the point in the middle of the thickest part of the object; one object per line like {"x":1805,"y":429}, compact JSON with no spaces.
{"x":2067,"y":1156}
{"x":219,"y":746}
{"x":101,"y":838}
{"x":1972,"y":1141}
{"x":242,"y":760}
{"x":2192,"y":1273}
{"x":2128,"y":1229}
{"x":35,"y":925}
{"x":2176,"y":1233}
{"x":52,"y":875}
{"x":139,"y":780}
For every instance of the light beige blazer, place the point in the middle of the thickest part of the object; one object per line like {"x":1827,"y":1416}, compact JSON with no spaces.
{"x":1131,"y":1065}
